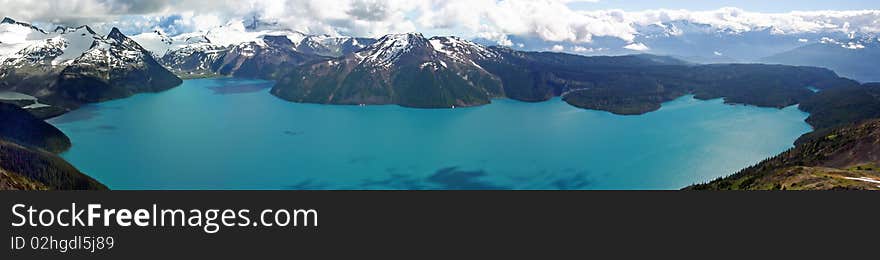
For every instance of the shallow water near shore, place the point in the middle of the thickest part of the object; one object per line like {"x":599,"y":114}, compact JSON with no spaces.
{"x":232,"y":134}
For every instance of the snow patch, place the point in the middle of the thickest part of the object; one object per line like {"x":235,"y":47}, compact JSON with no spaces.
{"x":390,"y":47}
{"x":864,"y":179}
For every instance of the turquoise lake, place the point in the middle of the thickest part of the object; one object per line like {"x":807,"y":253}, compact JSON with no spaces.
{"x":233,"y":134}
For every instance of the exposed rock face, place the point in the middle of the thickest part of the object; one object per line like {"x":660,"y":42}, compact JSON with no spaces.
{"x":113,"y":67}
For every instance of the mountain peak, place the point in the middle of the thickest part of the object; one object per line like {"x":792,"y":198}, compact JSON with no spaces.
{"x":116,"y":34}
{"x":400,"y":36}
{"x":7,"y":20}
{"x":278,"y":40}
{"x":391,"y":47}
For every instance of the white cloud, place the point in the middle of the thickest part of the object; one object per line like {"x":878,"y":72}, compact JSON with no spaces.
{"x":717,"y":53}
{"x":803,"y":40}
{"x":637,"y":47}
{"x":826,"y":40}
{"x":853,"y":46}
{"x":557,"y":48}
{"x":550,"y":20}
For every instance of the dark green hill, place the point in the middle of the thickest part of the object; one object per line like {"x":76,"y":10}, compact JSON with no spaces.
{"x":639,"y":84}
{"x":841,"y":106}
{"x":42,"y":167}
{"x":27,"y":160}
{"x":21,"y":127}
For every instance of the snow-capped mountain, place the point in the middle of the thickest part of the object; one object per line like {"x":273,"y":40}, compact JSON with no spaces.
{"x":261,"y":59}
{"x":689,"y":40}
{"x":462,"y":50}
{"x":230,"y":48}
{"x":22,"y":42}
{"x":405,"y":69}
{"x":70,"y":66}
{"x":855,"y":57}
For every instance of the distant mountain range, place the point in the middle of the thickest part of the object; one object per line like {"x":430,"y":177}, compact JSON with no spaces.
{"x":54,"y":66}
{"x":64,"y":67}
{"x":243,"y":51}
{"x":853,"y":58}
{"x":47,"y":73}
{"x":852,"y":53}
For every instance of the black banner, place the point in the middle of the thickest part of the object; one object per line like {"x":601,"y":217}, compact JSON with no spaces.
{"x":449,"y":224}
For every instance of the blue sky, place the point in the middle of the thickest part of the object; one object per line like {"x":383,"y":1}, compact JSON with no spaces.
{"x":750,"y":5}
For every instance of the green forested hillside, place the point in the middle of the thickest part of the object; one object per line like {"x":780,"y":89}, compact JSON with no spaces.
{"x":27,"y":154}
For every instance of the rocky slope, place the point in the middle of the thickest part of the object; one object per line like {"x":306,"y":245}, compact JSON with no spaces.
{"x":113,"y":67}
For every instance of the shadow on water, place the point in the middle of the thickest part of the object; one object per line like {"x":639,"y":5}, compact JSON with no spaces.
{"x":239,"y":88}
{"x":293,"y":133}
{"x":309,"y":184}
{"x":454,"y":178}
{"x":578,"y":181}
{"x":396,"y":181}
{"x":449,"y":178}
{"x":81,"y":114}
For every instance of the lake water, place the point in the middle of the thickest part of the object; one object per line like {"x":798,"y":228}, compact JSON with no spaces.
{"x":232,"y":134}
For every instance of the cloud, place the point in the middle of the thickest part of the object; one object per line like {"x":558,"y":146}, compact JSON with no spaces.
{"x":583,"y":49}
{"x":637,"y":47}
{"x":496,"y":20}
{"x":557,"y":48}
